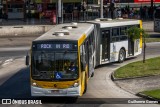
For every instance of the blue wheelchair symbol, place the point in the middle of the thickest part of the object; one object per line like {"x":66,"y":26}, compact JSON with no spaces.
{"x":58,"y":75}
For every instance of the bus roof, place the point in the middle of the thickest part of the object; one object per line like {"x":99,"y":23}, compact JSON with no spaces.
{"x":104,"y":22}
{"x":72,"y":34}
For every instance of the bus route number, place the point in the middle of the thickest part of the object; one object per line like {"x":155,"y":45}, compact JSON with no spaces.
{"x":46,"y":46}
{"x":66,"y":46}
{"x":54,"y":46}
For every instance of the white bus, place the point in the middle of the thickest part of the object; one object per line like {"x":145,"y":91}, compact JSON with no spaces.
{"x":84,"y":45}
{"x":113,"y":43}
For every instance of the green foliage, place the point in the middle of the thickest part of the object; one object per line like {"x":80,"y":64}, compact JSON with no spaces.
{"x":153,"y":93}
{"x":137,"y":69}
{"x":135,"y":32}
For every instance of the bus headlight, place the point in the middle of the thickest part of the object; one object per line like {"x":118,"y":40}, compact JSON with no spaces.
{"x":76,"y":84}
{"x":34,"y":84}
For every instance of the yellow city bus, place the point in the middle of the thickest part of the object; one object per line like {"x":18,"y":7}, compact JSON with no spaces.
{"x":63,"y":59}
{"x":60,"y":59}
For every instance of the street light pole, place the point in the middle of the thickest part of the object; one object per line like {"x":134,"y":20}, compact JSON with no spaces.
{"x":151,"y":3}
{"x":152,"y":8}
{"x":101,"y":8}
{"x":59,"y":11}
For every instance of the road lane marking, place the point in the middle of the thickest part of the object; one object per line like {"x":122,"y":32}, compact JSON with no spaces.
{"x":6,"y":62}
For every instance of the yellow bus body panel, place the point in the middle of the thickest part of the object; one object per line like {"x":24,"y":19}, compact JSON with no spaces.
{"x":140,"y":21}
{"x":63,"y":84}
{"x":81,"y":40}
{"x":81,"y":74}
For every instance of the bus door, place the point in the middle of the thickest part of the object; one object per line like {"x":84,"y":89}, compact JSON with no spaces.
{"x":105,"y":45}
{"x":87,"y":54}
{"x":130,"y":47}
{"x":88,"y":57}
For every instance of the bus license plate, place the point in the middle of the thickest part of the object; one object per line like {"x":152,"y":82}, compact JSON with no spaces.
{"x":55,"y":91}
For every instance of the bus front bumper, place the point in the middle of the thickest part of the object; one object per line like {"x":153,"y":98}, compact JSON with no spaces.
{"x":36,"y":91}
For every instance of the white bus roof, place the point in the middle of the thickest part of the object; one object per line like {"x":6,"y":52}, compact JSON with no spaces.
{"x":71,"y":34}
{"x":115,"y":22}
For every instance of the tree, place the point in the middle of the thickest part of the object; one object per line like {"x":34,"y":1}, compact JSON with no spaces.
{"x":135,"y":33}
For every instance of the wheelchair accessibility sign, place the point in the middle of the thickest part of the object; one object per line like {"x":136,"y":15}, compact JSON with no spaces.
{"x":58,"y":75}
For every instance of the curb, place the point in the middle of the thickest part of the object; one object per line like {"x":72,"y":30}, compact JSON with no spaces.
{"x":147,"y":97}
{"x":112,"y":78}
{"x":118,"y":79}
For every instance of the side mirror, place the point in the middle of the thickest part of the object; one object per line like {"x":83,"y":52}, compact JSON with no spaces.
{"x":27,"y":59}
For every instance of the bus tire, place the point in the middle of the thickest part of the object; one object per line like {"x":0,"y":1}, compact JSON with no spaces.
{"x":85,"y":85}
{"x":93,"y":69}
{"x":122,"y":54}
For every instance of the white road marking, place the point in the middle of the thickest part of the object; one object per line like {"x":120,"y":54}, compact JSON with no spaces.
{"x":6,"y":62}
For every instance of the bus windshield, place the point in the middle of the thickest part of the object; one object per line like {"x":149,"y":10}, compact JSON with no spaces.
{"x":47,"y":65}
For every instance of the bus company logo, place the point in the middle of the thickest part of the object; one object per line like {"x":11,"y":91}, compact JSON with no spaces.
{"x":6,"y":101}
{"x":55,"y":85}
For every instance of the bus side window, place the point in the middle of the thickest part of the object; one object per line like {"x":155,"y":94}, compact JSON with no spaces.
{"x":86,"y":53}
{"x":90,"y":45}
{"x":123,"y":34}
{"x":115,"y":34}
{"x":93,"y":39}
{"x":82,"y":58}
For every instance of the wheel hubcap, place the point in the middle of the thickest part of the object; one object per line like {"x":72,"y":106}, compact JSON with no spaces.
{"x":121,"y":56}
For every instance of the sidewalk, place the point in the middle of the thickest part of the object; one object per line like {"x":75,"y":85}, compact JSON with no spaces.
{"x":27,"y":22}
{"x":137,"y":85}
{"x":34,"y":21}
{"x":148,"y":25}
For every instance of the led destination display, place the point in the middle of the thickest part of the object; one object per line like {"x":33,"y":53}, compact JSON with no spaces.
{"x":58,"y":46}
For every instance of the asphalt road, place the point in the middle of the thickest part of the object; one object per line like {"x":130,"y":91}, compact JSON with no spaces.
{"x":14,"y":52}
{"x":14,"y":83}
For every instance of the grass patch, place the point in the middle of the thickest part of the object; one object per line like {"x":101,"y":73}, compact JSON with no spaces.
{"x":136,"y":69}
{"x":152,"y":40}
{"x":153,"y":93}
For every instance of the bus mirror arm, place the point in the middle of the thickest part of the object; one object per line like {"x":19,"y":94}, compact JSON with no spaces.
{"x":27,"y":59}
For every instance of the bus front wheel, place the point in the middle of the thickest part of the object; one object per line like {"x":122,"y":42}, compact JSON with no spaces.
{"x":121,"y":56}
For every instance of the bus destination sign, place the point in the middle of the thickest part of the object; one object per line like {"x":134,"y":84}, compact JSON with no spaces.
{"x":54,"y":46}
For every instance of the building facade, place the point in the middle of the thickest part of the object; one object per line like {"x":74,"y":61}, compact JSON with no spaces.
{"x":19,"y":9}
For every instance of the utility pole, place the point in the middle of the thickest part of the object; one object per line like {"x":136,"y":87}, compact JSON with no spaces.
{"x":101,"y":8}
{"x":59,"y":11}
{"x":151,"y":3}
{"x":29,"y":9}
{"x":25,"y":3}
{"x":152,"y":8}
